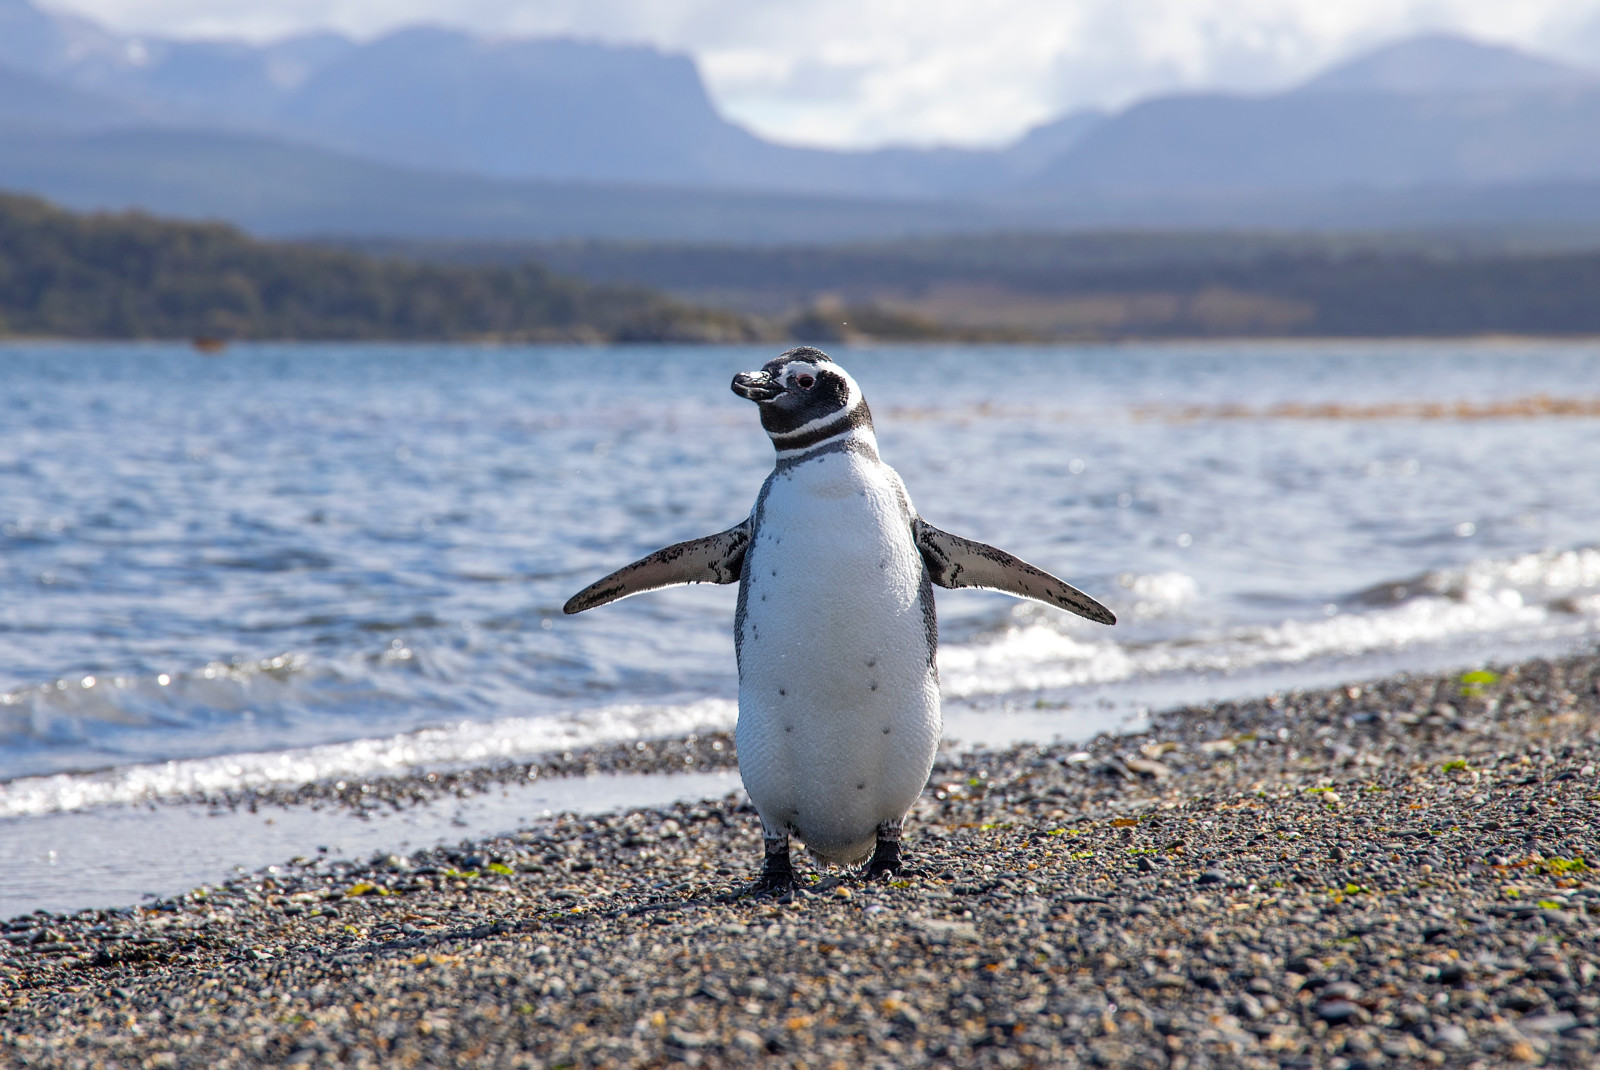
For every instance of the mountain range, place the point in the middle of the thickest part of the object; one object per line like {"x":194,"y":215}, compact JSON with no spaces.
{"x":432,"y":132}
{"x":435,"y":99}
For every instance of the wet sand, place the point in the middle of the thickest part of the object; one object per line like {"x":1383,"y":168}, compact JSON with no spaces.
{"x":1386,"y":874}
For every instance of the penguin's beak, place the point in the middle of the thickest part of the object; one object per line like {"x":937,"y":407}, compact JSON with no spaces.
{"x":756,"y":386}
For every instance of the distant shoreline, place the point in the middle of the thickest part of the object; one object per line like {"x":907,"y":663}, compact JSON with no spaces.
{"x":1486,"y":338}
{"x":71,"y":277}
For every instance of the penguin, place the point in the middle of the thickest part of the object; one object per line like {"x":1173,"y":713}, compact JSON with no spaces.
{"x":835,"y":634}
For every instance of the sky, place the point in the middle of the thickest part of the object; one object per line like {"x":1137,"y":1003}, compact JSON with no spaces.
{"x":854,"y":74}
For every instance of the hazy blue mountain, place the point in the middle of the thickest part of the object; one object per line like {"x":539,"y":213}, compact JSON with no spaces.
{"x":512,"y":109}
{"x":1332,"y":141}
{"x":54,"y":43}
{"x":1432,"y":111}
{"x":548,"y":108}
{"x":572,"y":110}
{"x":1446,"y":64}
{"x":432,"y":132}
{"x":500,"y":108}
{"x":279,"y":188}
{"x":31,"y":100}
{"x":1047,"y":142}
{"x":225,"y":80}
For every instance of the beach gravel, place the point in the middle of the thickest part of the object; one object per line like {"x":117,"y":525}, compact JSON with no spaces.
{"x":1389,"y":874}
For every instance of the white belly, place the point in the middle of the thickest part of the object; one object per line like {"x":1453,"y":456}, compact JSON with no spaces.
{"x":838,"y":698}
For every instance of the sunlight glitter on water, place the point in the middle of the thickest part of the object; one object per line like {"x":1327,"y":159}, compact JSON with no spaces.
{"x":316,"y":560}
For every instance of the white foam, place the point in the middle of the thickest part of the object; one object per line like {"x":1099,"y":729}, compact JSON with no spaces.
{"x":1550,"y":570}
{"x":465,"y":743}
{"x":1550,"y":595}
{"x":1158,"y":594}
{"x":1538,"y":596}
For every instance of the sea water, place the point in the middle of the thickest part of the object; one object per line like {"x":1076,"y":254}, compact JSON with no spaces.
{"x":294,"y":562}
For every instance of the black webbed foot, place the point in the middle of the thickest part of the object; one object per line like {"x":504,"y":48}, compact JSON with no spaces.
{"x":886,"y":860}
{"x":777,"y":871}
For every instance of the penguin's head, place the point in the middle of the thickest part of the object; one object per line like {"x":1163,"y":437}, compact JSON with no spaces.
{"x":804,"y":398}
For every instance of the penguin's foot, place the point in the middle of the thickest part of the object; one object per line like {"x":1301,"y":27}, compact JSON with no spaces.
{"x":777,"y":873}
{"x":886,"y":860}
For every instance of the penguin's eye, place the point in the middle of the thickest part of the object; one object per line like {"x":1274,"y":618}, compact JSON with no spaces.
{"x":806,"y":382}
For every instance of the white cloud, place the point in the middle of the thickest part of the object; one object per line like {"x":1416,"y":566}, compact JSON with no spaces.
{"x":844,"y":73}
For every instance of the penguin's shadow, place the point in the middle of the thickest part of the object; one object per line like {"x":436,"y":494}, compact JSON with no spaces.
{"x":746,"y":893}
{"x":855,"y":878}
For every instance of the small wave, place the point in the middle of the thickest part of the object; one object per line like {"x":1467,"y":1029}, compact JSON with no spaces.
{"x":1550,"y":594}
{"x":433,"y":748}
{"x":76,"y":708}
{"x":1551,"y":576}
{"x":126,"y":713}
{"x":1159,"y":594}
{"x":64,"y":707}
{"x":1155,"y":596}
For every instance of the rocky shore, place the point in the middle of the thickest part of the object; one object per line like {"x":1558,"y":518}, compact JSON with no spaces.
{"x":1378,"y":875}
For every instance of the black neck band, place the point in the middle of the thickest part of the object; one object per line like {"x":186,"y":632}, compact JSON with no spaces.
{"x":860,"y":416}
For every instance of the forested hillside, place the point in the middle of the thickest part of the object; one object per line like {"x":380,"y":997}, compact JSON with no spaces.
{"x":1130,"y":284}
{"x":134,"y":276}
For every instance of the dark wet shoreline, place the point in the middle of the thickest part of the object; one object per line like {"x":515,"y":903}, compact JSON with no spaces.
{"x":697,"y":752}
{"x":1390,"y":874}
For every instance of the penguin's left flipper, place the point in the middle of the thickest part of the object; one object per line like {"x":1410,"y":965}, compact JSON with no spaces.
{"x":956,"y":562}
{"x":716,"y":558}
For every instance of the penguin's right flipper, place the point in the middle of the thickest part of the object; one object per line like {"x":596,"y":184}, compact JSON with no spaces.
{"x":956,"y":562}
{"x":714,"y":559}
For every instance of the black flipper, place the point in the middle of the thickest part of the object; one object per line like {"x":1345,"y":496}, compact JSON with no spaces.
{"x":714,"y":559}
{"x":956,"y":562}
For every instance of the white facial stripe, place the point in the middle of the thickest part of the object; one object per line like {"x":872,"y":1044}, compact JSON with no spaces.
{"x":860,"y":434}
{"x":810,"y":426}
{"x":796,"y":368}
{"x":852,"y":398}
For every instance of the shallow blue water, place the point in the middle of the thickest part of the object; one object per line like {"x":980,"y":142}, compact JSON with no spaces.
{"x":237,"y":561}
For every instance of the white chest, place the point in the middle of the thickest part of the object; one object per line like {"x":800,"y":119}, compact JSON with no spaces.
{"x":832,"y":567}
{"x":838,"y":697}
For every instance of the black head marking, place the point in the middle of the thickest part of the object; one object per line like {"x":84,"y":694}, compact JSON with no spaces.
{"x":807,"y":353}
{"x":805,"y":398}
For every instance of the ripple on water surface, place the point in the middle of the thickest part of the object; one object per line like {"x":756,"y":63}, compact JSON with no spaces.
{"x":243,"y":566}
